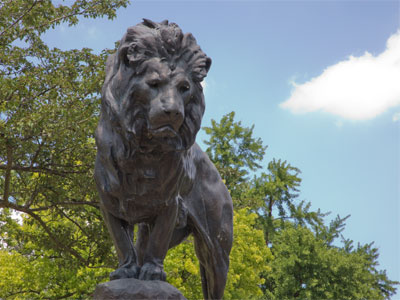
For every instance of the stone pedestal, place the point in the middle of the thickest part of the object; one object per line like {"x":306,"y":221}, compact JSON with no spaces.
{"x":134,"y":289}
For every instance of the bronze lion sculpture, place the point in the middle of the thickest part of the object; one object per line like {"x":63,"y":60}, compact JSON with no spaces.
{"x":149,"y":170}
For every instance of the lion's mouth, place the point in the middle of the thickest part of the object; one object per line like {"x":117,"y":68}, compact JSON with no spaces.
{"x":162,"y":131}
{"x":160,"y":139}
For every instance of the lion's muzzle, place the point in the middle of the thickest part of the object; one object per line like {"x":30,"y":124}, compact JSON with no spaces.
{"x":167,"y":111}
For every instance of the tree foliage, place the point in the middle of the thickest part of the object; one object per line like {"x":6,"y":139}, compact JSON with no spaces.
{"x":276,"y":192}
{"x":249,"y":258}
{"x":235,"y":153}
{"x":36,"y":276}
{"x":49,"y":102}
{"x":305,"y":267}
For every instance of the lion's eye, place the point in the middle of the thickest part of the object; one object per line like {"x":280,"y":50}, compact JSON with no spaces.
{"x":184,"y":87}
{"x":153,"y":83}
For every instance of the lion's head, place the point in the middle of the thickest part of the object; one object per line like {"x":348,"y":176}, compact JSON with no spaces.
{"x":152,"y":94}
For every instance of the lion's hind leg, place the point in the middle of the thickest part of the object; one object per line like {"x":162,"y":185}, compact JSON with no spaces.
{"x":211,"y":217}
{"x":213,"y":254}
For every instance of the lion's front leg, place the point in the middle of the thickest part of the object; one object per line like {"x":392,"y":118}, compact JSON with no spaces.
{"x":158,"y":243}
{"x":122,"y":234}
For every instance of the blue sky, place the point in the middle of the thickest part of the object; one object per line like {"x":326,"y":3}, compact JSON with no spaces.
{"x":331,"y":63}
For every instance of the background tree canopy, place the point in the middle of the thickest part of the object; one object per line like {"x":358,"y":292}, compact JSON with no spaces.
{"x":53,"y":243}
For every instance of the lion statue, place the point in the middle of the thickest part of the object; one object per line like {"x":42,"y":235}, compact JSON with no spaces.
{"x":149,"y":170}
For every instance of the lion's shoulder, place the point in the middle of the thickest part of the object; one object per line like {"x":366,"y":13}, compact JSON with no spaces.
{"x":206,"y":170}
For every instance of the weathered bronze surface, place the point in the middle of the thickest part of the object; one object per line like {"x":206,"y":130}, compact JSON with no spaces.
{"x":149,"y":170}
{"x":131,"y":288}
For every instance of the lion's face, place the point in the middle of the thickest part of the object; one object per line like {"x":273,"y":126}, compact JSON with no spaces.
{"x":163,"y":93}
{"x":161,"y":109}
{"x":152,"y":92}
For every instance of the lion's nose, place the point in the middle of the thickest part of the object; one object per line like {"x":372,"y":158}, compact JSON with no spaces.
{"x":174,"y":115}
{"x":172,"y":110}
{"x":166,"y":112}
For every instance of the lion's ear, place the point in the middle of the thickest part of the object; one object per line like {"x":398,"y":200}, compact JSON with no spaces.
{"x":201,"y":67}
{"x":208,"y":63}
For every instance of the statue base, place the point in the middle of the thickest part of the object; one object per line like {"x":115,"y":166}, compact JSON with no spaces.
{"x":132,"y":289}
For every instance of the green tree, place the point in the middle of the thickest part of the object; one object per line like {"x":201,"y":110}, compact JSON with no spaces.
{"x":37,"y":276}
{"x":235,"y":153}
{"x":49,"y":103}
{"x":305,"y":267}
{"x":276,"y":193}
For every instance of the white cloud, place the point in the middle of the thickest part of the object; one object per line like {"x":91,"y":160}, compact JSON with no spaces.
{"x":359,"y":88}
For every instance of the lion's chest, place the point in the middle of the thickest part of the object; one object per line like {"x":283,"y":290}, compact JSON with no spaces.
{"x":144,"y":187}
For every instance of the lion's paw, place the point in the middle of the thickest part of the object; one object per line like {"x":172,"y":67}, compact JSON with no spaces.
{"x":151,"y":271}
{"x":123,"y":272}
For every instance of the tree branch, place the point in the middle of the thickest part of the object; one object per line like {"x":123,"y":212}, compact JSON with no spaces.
{"x":69,"y":15}
{"x":8,"y":169}
{"x":57,"y":243}
{"x":23,"y":292}
{"x":33,"y":195}
{"x":6,"y":4}
{"x":52,"y":237}
{"x":35,"y":156}
{"x":38,"y":169}
{"x":73,"y":221}
{"x":64,"y":296}
{"x":20,"y":17}
{"x":93,"y":204}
